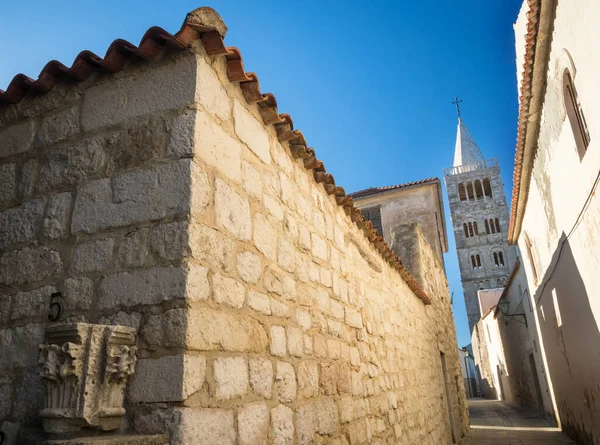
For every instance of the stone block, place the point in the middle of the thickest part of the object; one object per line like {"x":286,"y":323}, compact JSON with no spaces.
{"x":133,"y":197}
{"x":166,"y":86}
{"x":232,"y":211}
{"x":66,"y":167}
{"x":26,"y":183}
{"x":251,"y":180}
{"x":265,"y":237}
{"x":210,"y":92}
{"x":273,"y":207}
{"x":282,"y":425}
{"x":56,"y":220}
{"x":29,"y":395}
{"x":209,"y":329}
{"x":59,"y":126}
{"x":319,"y":247}
{"x":141,"y":143}
{"x":279,"y":309}
{"x":259,"y":302}
{"x":17,"y":138}
{"x":304,"y":239}
{"x":201,"y":193}
{"x":20,"y":346}
{"x":143,"y":286}
{"x":169,"y":242}
{"x":303,"y":319}
{"x":285,"y":381}
{"x":20,"y":224}
{"x":182,"y":135}
{"x":261,"y":377}
{"x":306,"y":424}
{"x":29,"y":265}
{"x":228,"y":291}
{"x":327,"y":416}
{"x":215,"y":147}
{"x":198,"y":286}
{"x":286,"y":255}
{"x":359,"y":432}
{"x":278,"y":341}
{"x":308,"y":379}
{"x":295,"y":342}
{"x":123,"y":319}
{"x":346,"y":409}
{"x":134,"y":248}
{"x":231,"y":377}
{"x":328,"y":378}
{"x":353,"y":318}
{"x":8,"y":183}
{"x":95,"y":256}
{"x":167,"y":379}
{"x":251,"y":132}
{"x":253,"y":423}
{"x":32,"y":305}
{"x":249,"y":267}
{"x":205,"y":426}
{"x":336,"y":309}
{"x":210,"y":246}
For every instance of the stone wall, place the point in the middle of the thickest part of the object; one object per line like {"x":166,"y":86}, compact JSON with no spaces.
{"x":156,"y":198}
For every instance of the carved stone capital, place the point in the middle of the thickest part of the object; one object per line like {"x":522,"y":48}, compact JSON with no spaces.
{"x":85,"y":368}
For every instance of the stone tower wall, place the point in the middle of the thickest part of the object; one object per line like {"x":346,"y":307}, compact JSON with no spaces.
{"x":489,"y":276}
{"x":157,"y":199}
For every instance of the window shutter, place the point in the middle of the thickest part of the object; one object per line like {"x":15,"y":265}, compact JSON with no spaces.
{"x":373,"y":214}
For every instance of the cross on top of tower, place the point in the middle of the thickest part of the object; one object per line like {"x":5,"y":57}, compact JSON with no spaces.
{"x":457,"y":102}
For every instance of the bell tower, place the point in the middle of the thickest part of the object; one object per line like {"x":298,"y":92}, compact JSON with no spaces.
{"x":480,"y":220}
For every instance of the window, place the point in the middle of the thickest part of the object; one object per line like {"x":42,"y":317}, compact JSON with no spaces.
{"x":461,"y":192}
{"x":373,"y":214}
{"x":575,"y":114}
{"x":476,"y":261}
{"x":478,"y":189}
{"x":492,"y":226}
{"x":470,"y":191}
{"x":498,"y":258}
{"x":466,"y":229}
{"x":470,"y":229}
{"x":487,"y":187}
{"x":475,"y":228}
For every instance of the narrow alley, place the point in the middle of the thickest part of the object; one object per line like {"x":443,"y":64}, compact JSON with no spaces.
{"x":498,"y":423}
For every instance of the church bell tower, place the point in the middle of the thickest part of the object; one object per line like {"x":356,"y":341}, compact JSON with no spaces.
{"x":480,"y":221}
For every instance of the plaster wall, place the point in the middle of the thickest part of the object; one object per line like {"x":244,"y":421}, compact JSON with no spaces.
{"x":488,"y":298}
{"x":417,"y":204}
{"x":561,"y":221}
{"x":156,"y":198}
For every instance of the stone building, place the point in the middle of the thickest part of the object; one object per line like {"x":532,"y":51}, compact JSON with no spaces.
{"x":555,"y":216}
{"x":392,"y":208}
{"x":480,"y":221}
{"x":158,"y":189}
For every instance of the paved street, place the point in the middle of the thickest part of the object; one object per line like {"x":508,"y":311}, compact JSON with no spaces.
{"x":497,"y":423}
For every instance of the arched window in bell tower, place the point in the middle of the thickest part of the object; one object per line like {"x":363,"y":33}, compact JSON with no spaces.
{"x":470,"y":191}
{"x":478,"y":189}
{"x":462,"y":192}
{"x":487,"y":187}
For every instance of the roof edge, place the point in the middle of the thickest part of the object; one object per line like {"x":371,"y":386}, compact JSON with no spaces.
{"x":533,"y":87}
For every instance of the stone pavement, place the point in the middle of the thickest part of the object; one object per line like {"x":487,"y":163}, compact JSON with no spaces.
{"x":498,"y":423}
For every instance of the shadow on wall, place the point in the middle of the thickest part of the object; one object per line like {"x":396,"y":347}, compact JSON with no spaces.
{"x":572,"y":343}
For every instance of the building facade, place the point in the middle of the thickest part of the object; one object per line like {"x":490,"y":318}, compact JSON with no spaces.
{"x":480,"y":221}
{"x":555,"y":215}
{"x":392,"y":208}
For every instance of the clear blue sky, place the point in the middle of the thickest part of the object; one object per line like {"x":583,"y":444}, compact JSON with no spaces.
{"x":370,"y":84}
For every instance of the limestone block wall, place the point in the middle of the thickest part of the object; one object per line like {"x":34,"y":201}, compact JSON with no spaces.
{"x":157,"y":198}
{"x":96,"y":197}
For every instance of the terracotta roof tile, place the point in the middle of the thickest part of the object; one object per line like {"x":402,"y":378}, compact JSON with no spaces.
{"x":206,"y":25}
{"x":533,"y":18}
{"x":387,"y":188}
